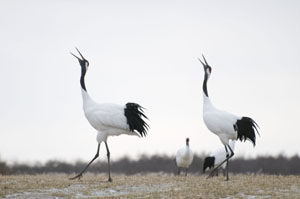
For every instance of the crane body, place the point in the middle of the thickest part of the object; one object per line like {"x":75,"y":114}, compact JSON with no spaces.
{"x":109,"y":119}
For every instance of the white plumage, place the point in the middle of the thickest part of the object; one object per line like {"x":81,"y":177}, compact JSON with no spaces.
{"x":184,"y":157}
{"x":219,"y":122}
{"x":223,"y":124}
{"x":109,"y":119}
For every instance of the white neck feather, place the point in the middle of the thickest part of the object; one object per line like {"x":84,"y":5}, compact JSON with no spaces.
{"x":207,"y":105}
{"x":86,"y":98}
{"x":187,"y":151}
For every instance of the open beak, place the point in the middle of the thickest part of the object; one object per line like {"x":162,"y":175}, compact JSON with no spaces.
{"x":204,"y":60}
{"x":79,"y":54}
{"x":204,"y":64}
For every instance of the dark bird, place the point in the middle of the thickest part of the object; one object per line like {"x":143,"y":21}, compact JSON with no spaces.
{"x":215,"y":158}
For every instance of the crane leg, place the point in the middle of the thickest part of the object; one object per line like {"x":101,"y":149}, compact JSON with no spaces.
{"x":83,"y":170}
{"x":178,"y":171}
{"x":186,"y":171}
{"x":227,"y":158}
{"x":227,"y":164}
{"x":214,"y":173}
{"x":108,"y":161}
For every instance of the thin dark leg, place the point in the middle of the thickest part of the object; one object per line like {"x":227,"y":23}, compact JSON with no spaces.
{"x":108,"y":160}
{"x":175,"y":173}
{"x":227,"y":162}
{"x":227,"y":165}
{"x":215,"y":173}
{"x":178,"y":171}
{"x":231,"y":151}
{"x":186,"y":171}
{"x":83,"y":170}
{"x":227,"y":158}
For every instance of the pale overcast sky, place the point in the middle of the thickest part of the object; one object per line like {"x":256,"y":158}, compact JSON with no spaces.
{"x":146,"y":52}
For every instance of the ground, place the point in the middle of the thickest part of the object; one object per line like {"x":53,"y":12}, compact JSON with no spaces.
{"x":149,"y":186}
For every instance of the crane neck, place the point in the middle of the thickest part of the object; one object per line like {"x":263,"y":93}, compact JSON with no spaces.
{"x":205,"y":84}
{"x":187,"y":148}
{"x":86,"y":99}
{"x":82,"y":83}
{"x":85,"y":96}
{"x":186,"y":151}
{"x":207,"y":105}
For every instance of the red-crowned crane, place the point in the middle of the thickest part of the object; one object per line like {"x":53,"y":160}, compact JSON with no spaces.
{"x":225,"y":125}
{"x":109,"y":119}
{"x":184,"y":157}
{"x":216,"y":157}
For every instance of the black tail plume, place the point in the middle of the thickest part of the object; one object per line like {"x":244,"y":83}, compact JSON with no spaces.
{"x":209,"y":162}
{"x":246,"y":128}
{"x":134,"y":114}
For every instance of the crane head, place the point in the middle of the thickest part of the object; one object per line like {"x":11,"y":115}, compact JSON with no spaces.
{"x":187,"y":141}
{"x":207,"y":68}
{"x":83,"y":62}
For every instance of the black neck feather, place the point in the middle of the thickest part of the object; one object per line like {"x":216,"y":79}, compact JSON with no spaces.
{"x":205,"y":84}
{"x":83,"y":71}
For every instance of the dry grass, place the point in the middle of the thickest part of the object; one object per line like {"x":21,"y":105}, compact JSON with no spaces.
{"x":149,"y":186}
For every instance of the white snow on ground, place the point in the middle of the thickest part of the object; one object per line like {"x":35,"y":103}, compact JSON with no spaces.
{"x":85,"y":191}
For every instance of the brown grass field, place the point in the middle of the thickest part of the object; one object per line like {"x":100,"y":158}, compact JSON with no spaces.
{"x":149,"y":186}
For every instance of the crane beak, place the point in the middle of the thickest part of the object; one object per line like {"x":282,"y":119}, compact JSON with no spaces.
{"x":79,"y":54}
{"x":204,"y":66}
{"x":76,"y":56}
{"x":204,"y":60}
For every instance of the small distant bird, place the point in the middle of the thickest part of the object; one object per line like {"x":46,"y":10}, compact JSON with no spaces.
{"x":184,"y":157}
{"x":109,"y":119}
{"x":215,"y":158}
{"x":225,"y":125}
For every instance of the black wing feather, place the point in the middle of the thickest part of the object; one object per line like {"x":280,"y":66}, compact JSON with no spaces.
{"x":209,"y":162}
{"x":135,"y":114}
{"x":246,"y":128}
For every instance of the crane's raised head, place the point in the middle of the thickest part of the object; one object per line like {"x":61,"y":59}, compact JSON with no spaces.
{"x":83,"y":62}
{"x":187,"y":141}
{"x":207,"y":68}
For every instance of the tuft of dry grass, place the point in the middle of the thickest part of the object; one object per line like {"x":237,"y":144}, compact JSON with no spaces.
{"x":155,"y":185}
